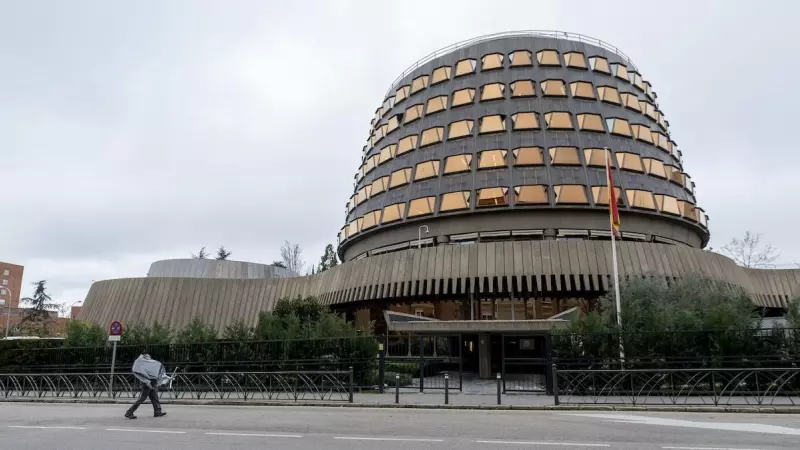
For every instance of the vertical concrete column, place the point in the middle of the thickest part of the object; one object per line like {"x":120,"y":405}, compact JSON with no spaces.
{"x":484,"y":355}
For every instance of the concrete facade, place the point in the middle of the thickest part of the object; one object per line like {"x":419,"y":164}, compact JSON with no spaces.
{"x":212,"y":268}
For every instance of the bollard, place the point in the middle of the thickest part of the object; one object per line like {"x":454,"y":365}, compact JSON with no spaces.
{"x":397,"y":389}
{"x":447,"y":389}
{"x":556,"y":400}
{"x":350,"y":399}
{"x":499,"y":390}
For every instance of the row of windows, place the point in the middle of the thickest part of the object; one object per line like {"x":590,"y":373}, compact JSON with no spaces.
{"x":519,"y":58}
{"x":521,"y":121}
{"x":518,"y":89}
{"x":522,"y":156}
{"x":567,"y":194}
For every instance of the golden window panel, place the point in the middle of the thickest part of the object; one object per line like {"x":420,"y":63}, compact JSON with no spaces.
{"x":351,"y":205}
{"x":548,"y":58}
{"x":528,"y":156}
{"x":636,"y":79}
{"x":407,"y":144}
{"x":402,"y":93}
{"x":564,"y":156}
{"x":355,"y":227}
{"x":595,"y":157}
{"x":648,"y":109}
{"x":378,"y":114}
{"x":617,"y":126}
{"x":630,"y":161}
{"x":492,"y":61}
{"x":493,"y":196}
{"x":660,"y":140}
{"x":620,"y":71}
{"x":363,"y":194}
{"x":379,"y":185}
{"x":668,"y":170}
{"x":492,"y":124}
{"x":376,"y":158}
{"x":432,"y":136}
{"x":371,"y":219}
{"x":520,"y":58}
{"x":421,"y":206}
{"x":648,"y":89}
{"x":387,"y":105}
{"x":525,"y":121}
{"x":558,"y":121}
{"x":590,"y":122}
{"x":630,"y":101}
{"x":419,"y":83}
{"x":413,"y":113}
{"x":393,"y":213}
{"x":492,"y":91}
{"x":609,"y":94}
{"x":575,"y":60}
{"x":582,"y":89}
{"x":640,"y":199}
{"x":642,"y":133}
{"x":654,"y":167}
{"x":343,"y":234}
{"x":599,"y":64}
{"x":688,"y":182}
{"x":600,"y":195}
{"x":672,"y":147}
{"x":394,"y":123}
{"x":523,"y":88}
{"x":667,"y":204}
{"x":381,"y":131}
{"x":570,"y":194}
{"x":701,"y":217}
{"x":465,"y":67}
{"x":458,"y":163}
{"x":454,"y":201}
{"x":492,"y":159}
{"x":370,"y":164}
{"x":554,"y":88}
{"x":460,"y":129}
{"x":463,"y":97}
{"x":440,"y":74}
{"x":534,"y":194}
{"x":399,"y":177}
{"x":687,"y":210}
{"x":678,"y":177}
{"x":426,"y":169}
{"x":436,"y":104}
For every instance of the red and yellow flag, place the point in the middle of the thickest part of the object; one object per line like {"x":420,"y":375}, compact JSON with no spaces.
{"x":613,"y":208}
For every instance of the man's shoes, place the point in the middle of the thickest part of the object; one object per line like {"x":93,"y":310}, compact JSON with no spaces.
{"x":129,"y":416}
{"x":159,"y":414}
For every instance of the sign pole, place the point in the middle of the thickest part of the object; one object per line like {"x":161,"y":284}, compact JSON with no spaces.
{"x":113,"y":363}
{"x":114,"y":335}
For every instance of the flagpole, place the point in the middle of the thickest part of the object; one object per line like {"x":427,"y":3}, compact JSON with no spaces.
{"x":617,"y":303}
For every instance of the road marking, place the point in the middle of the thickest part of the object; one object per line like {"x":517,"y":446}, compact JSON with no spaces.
{"x":707,"y":448}
{"x":564,"y":444}
{"x":355,"y":438}
{"x":142,"y":430}
{"x":256,"y":435}
{"x":721,"y":426}
{"x":46,"y":428}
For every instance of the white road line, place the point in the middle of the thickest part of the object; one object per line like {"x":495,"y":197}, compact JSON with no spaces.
{"x":389,"y":439}
{"x":707,"y":448}
{"x":256,"y":435}
{"x":141,"y":430}
{"x":564,"y":444}
{"x":46,"y":428}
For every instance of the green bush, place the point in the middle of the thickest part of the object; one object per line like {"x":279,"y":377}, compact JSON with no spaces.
{"x":406,"y":368}
{"x":391,"y":380}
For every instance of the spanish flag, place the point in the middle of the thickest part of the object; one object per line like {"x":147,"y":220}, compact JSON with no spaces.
{"x":613,"y":209}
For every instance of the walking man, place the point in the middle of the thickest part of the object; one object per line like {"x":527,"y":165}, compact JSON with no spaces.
{"x":150,"y":373}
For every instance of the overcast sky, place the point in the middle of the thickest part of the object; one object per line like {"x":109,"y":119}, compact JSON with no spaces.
{"x":138,"y":131}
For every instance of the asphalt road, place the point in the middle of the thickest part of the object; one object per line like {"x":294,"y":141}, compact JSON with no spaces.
{"x":89,"y":427}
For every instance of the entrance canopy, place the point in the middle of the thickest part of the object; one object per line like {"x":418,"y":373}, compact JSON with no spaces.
{"x":407,"y":323}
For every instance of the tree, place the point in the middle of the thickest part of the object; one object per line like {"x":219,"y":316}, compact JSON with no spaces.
{"x":36,"y":320}
{"x":197,"y":332}
{"x":84,"y":334}
{"x":328,"y":259}
{"x":279,"y":264}
{"x":201,"y":254}
{"x":292,"y":257}
{"x":223,"y":254}
{"x":749,"y":252}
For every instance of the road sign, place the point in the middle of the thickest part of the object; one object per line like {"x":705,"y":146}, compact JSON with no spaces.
{"x":115,"y":329}
{"x":113,"y":338}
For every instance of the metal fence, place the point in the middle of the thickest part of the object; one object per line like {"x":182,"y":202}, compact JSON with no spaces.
{"x":710,"y":386}
{"x":423,"y":361}
{"x":286,"y":386}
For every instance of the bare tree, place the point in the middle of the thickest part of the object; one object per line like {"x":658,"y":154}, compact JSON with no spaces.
{"x":750,"y":252}
{"x":202,"y":254}
{"x":292,"y":257}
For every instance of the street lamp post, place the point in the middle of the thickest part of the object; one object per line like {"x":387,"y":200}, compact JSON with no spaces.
{"x":419,"y":235}
{"x":70,"y":309}
{"x":8,"y":308}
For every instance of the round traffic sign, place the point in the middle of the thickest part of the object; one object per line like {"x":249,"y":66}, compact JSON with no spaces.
{"x":116,"y":328}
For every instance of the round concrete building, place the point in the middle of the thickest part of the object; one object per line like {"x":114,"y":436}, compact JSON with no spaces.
{"x":503,"y":137}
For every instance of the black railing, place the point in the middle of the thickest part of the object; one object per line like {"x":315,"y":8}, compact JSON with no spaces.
{"x":243,"y":386}
{"x":711,"y":386}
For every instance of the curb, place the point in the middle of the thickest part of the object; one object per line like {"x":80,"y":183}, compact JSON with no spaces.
{"x":743,"y":409}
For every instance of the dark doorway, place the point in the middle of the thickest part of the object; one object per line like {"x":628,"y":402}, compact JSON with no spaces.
{"x":470,"y":353}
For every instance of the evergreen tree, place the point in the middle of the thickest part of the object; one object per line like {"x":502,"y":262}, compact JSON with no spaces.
{"x":223,"y":254}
